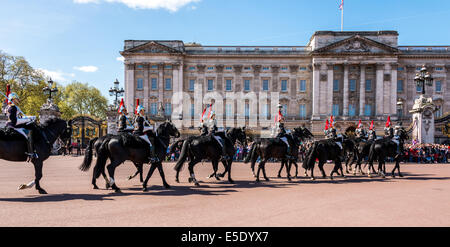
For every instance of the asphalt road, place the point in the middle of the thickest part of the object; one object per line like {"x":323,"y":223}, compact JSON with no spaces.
{"x":421,"y":198}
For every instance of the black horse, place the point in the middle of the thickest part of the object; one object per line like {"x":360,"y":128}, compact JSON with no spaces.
{"x":386,"y":147}
{"x":362,"y":148}
{"x":324,"y":150}
{"x":13,"y":146}
{"x":119,"y":148}
{"x":275,"y":148}
{"x":207,"y":147}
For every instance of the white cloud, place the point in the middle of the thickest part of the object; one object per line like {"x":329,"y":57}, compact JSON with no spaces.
{"x":171,"y":5}
{"x":121,"y":59}
{"x":89,"y":68}
{"x":58,"y":75}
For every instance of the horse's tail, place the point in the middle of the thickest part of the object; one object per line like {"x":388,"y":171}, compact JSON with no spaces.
{"x":311,"y":158}
{"x":88,"y":156}
{"x":250,"y":153}
{"x":183,"y":155}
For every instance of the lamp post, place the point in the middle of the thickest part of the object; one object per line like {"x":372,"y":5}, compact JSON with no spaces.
{"x":423,"y":78}
{"x":400,"y":109}
{"x":50,"y":90}
{"x":115,"y":91}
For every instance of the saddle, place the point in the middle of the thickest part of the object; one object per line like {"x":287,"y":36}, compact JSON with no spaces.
{"x":132,"y":141}
{"x":10,"y":134}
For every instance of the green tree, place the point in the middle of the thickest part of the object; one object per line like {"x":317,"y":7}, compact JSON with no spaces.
{"x":84,"y":99}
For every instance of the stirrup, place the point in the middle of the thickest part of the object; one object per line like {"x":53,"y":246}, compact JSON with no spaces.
{"x":31,"y":156}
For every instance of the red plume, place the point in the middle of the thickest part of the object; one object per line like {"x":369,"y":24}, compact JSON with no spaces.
{"x":137,"y":104}
{"x":8,"y":91}
{"x":371,"y":125}
{"x":326,"y":125}
{"x":359,"y":123}
{"x":121,"y":106}
{"x":388,"y":122}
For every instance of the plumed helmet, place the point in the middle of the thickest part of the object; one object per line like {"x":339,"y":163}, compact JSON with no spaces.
{"x":139,"y":109}
{"x":12,"y":96}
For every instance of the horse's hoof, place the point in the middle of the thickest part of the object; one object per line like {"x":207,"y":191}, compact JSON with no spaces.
{"x":279,"y":176}
{"x":231,"y":181}
{"x":197,"y":184}
{"x":117,"y":191}
{"x":167,"y":186}
{"x":400,"y":175}
{"x":130,"y":177}
{"x":42,"y":192}
{"x":95,"y":187}
{"x":190,"y":180}
{"x":22,"y":187}
{"x":144,"y":189}
{"x":331,"y":178}
{"x":107,"y":186}
{"x":221,"y":175}
{"x":176,"y":180}
{"x":312,"y":179}
{"x":267,"y":179}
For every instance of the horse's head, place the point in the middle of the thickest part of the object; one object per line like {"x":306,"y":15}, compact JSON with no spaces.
{"x":404,"y":135}
{"x":238,"y":134}
{"x":55,"y":128}
{"x":302,"y":133}
{"x":168,"y":129}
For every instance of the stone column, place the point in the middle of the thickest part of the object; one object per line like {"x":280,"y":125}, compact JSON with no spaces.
{"x":362,"y":90}
{"x":161,"y":82}
{"x":129,"y":86}
{"x":220,"y":83}
{"x":256,"y":81}
{"x":275,"y":79}
{"x":379,"y":89}
{"x":329,"y":100}
{"x":393,"y":99}
{"x":111,"y":122}
{"x":146,"y":86}
{"x":345,"y":91}
{"x":316,"y":91}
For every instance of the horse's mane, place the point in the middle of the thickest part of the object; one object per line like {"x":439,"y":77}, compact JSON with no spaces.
{"x":49,"y":122}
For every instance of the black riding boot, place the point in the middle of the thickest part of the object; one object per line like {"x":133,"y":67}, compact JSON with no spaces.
{"x":31,"y":151}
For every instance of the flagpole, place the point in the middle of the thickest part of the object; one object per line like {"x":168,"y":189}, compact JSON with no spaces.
{"x":342,"y":18}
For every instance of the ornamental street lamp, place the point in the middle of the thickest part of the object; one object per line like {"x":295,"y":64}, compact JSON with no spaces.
{"x":423,"y":78}
{"x":115,"y":91}
{"x":400,"y":109}
{"x":50,"y":90}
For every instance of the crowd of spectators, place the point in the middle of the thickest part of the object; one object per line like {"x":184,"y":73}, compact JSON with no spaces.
{"x":427,"y":153}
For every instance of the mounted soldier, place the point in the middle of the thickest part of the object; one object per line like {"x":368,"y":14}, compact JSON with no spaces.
{"x":360,"y":131}
{"x":212,"y":128}
{"x":21,"y":123}
{"x":372,"y":135}
{"x":141,"y":128}
{"x":388,"y":130}
{"x":332,"y":135}
{"x":203,"y":126}
{"x":282,"y":132}
{"x":124,"y":123}
{"x":399,"y":141}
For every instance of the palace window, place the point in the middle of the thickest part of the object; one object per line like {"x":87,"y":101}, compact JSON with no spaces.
{"x":400,"y":86}
{"x":246,"y":68}
{"x":284,"y":109}
{"x":418,"y":89}
{"x":283,"y":85}
{"x":353,"y":85}
{"x":335,"y":110}
{"x":210,"y":68}
{"x":400,"y":68}
{"x":153,"y":108}
{"x":302,"y":112}
{"x":351,"y":110}
{"x":367,"y":110}
{"x":439,"y":69}
{"x":154,"y":67}
{"x":246,"y":85}
{"x":192,"y":110}
{"x":168,"y":84}
{"x":191,"y":85}
{"x":140,"y":66}
{"x":228,"y":68}
{"x":265,"y":85}
{"x":265,"y":68}
{"x":265,"y":111}
{"x":228,"y":86}
{"x":140,"y":84}
{"x":302,"y":86}
{"x":192,"y":68}
{"x":247,"y":110}
{"x":368,"y":85}
{"x":438,"y":113}
{"x":154,"y":83}
{"x":438,"y":86}
{"x":210,"y":85}
{"x":284,"y":68}
{"x":302,"y":68}
{"x":168,"y":67}
{"x":335,"y":85}
{"x":168,"y":109}
{"x":228,"y":110}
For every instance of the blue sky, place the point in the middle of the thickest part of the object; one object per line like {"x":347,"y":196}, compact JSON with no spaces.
{"x":81,"y":39}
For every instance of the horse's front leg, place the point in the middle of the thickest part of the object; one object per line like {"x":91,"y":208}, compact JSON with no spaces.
{"x":149,"y":175}
{"x":38,"y":175}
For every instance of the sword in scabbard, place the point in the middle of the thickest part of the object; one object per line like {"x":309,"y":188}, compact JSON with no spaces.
{"x":18,"y":108}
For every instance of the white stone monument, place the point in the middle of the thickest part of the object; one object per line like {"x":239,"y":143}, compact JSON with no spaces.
{"x":423,"y":120}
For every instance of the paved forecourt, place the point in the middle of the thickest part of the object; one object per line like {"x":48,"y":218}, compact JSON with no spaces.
{"x":419,"y":199}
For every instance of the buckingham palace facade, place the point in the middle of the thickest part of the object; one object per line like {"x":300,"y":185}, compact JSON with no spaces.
{"x":350,"y":75}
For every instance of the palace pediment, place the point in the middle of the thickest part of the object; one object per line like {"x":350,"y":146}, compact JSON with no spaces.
{"x":153,"y":47}
{"x":356,"y":45}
